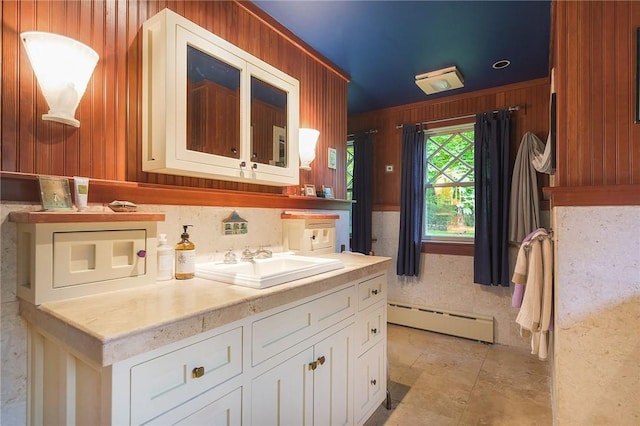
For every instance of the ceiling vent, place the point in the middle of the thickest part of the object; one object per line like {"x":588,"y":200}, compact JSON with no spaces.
{"x":440,"y":81}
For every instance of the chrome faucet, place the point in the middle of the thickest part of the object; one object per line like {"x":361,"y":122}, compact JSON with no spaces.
{"x":261,"y":253}
{"x":230,"y":257}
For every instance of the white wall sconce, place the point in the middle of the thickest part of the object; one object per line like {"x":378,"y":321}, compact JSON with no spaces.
{"x":63,"y":67}
{"x":307,"y":146}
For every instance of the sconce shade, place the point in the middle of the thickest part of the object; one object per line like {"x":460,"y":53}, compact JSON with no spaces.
{"x":307,"y":146}
{"x":63,"y":67}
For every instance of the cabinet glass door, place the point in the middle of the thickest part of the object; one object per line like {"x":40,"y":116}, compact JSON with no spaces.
{"x":213,"y":105}
{"x":268,"y":124}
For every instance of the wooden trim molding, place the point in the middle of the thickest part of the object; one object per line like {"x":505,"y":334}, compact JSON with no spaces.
{"x":602,"y":195}
{"x":84,"y":217}
{"x":23,"y":187}
{"x":456,"y":249}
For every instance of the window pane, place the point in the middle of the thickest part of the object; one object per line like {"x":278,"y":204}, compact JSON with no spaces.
{"x":449,"y":183}
{"x":450,"y":211}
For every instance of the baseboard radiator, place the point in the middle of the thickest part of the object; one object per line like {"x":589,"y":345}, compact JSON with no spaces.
{"x":470,"y":326}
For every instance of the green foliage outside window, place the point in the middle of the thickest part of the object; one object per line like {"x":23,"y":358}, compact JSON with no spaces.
{"x":449,"y":183}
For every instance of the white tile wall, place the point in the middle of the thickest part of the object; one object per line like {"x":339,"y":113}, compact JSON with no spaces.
{"x":597,"y":338}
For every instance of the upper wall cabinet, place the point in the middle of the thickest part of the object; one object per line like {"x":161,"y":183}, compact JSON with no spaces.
{"x":212,"y":110}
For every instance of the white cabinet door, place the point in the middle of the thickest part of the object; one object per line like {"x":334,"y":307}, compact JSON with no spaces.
{"x":370,"y":383}
{"x":283,"y":395}
{"x":333,"y":380}
{"x":313,"y":387}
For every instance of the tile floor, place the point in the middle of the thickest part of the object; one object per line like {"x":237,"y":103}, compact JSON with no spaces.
{"x":442,"y":380}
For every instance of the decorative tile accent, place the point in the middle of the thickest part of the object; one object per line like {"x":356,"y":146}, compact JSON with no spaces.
{"x":234,"y":225}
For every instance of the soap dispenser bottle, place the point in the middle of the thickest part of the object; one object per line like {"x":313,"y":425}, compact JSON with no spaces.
{"x":165,"y":259}
{"x":185,"y":257}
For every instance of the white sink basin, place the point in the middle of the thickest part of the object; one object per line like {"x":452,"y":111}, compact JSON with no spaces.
{"x":263,"y":273}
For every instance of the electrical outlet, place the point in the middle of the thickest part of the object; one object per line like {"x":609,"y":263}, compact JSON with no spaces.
{"x":388,"y":168}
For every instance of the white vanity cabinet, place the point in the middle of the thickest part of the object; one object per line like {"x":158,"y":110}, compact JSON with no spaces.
{"x":319,"y":359}
{"x":212,"y":110}
{"x":371,"y":344}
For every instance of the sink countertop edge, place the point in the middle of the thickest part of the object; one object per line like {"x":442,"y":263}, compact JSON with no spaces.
{"x":94,"y":327}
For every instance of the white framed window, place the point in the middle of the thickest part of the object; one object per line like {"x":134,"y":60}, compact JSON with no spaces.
{"x":449,"y":205}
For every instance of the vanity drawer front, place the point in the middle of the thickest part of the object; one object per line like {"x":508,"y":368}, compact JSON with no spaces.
{"x":280,"y":331}
{"x":371,"y":291}
{"x":90,"y":256}
{"x":169,"y":380}
{"x":371,"y":327}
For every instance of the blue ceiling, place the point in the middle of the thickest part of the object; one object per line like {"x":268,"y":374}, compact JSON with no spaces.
{"x":382,"y":45}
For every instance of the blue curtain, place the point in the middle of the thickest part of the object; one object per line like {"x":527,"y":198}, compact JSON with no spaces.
{"x":411,"y":201}
{"x":362,"y":193}
{"x":493,"y":188}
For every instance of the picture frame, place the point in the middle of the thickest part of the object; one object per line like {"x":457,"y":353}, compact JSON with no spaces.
{"x":327,"y":191}
{"x":55,"y":193}
{"x":309,"y":190}
{"x":637,"y":114}
{"x":332,"y":158}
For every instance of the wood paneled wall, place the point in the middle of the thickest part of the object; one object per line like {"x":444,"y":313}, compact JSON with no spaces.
{"x":533,"y":116}
{"x":108,"y":143}
{"x":595,"y":57}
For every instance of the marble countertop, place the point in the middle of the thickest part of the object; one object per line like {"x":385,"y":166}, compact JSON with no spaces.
{"x":110,"y":327}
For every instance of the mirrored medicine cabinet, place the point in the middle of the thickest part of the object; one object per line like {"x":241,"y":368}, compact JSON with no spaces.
{"x":212,"y":110}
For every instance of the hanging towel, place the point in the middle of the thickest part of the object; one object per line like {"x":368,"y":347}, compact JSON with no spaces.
{"x":544,"y":161}
{"x":524,"y":206}
{"x":520,"y":271}
{"x":536,"y":311}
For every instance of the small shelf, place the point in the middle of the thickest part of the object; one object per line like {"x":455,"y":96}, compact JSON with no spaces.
{"x":84,"y":217}
{"x":296,"y":215}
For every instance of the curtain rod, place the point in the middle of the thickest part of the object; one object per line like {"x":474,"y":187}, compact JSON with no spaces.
{"x":511,"y":108}
{"x":366,"y":131}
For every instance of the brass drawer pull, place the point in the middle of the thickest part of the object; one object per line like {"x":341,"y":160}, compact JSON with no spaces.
{"x":197,"y":372}
{"x":314,"y":364}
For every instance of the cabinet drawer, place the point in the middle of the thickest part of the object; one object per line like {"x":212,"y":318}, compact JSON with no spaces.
{"x":90,"y":256}
{"x":226,"y":410}
{"x":169,"y":380}
{"x":275,"y":333}
{"x":371,"y":328}
{"x":371,"y":291}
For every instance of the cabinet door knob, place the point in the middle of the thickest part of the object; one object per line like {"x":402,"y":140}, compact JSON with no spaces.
{"x":373,"y":382}
{"x":374,"y":330}
{"x":197,"y":372}
{"x":374,"y":292}
{"x":313,"y":365}
{"x":142,"y":253}
{"x":321,"y":360}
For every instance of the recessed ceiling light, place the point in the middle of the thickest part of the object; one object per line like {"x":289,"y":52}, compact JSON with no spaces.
{"x":502,"y":63}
